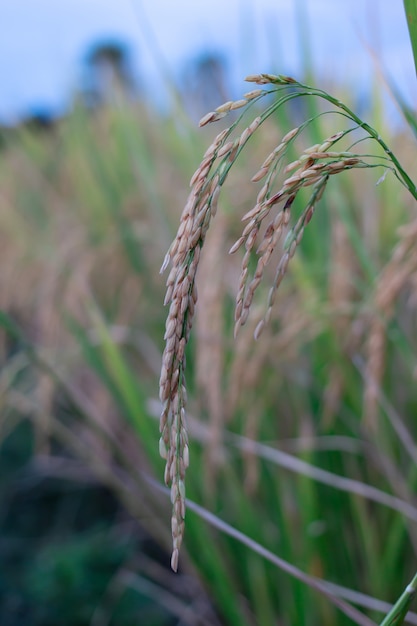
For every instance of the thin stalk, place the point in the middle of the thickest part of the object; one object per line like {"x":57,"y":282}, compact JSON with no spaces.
{"x":409,"y":183}
{"x":371,"y":131}
{"x":313,"y":582}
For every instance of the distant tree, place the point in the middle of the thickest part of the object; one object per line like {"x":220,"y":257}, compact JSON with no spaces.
{"x":39,"y":119}
{"x":204,"y":83}
{"x":108,"y":73}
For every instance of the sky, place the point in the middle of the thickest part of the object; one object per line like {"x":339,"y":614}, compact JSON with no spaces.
{"x":43,"y":43}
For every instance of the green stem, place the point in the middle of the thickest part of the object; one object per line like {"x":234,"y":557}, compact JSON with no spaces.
{"x":400,"y":609}
{"x":371,"y":131}
{"x":410,"y":8}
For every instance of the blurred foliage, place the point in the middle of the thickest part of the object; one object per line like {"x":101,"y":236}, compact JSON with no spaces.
{"x":63,"y":542}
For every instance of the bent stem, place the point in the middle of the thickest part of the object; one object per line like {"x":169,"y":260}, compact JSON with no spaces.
{"x":307,"y":90}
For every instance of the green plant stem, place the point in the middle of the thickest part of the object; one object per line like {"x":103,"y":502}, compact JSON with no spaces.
{"x":408,"y":182}
{"x":400,"y":609}
{"x":410,"y":7}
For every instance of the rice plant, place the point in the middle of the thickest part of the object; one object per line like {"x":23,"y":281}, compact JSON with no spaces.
{"x":272,"y":228}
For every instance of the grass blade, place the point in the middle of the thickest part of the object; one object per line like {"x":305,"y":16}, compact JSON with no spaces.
{"x":311,"y":581}
{"x":410,"y":7}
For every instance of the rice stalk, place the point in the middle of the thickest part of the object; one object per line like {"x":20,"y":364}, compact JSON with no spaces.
{"x":274,"y":212}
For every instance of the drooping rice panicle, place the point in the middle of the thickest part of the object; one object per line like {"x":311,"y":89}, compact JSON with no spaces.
{"x":181,"y":295}
{"x":311,"y":170}
{"x":309,"y":173}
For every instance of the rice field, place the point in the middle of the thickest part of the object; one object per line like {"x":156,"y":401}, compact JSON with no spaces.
{"x":301,"y":443}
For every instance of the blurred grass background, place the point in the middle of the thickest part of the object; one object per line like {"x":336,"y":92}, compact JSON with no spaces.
{"x":88,"y":209}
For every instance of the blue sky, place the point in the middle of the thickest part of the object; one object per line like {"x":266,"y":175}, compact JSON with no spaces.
{"x":42,"y":42}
